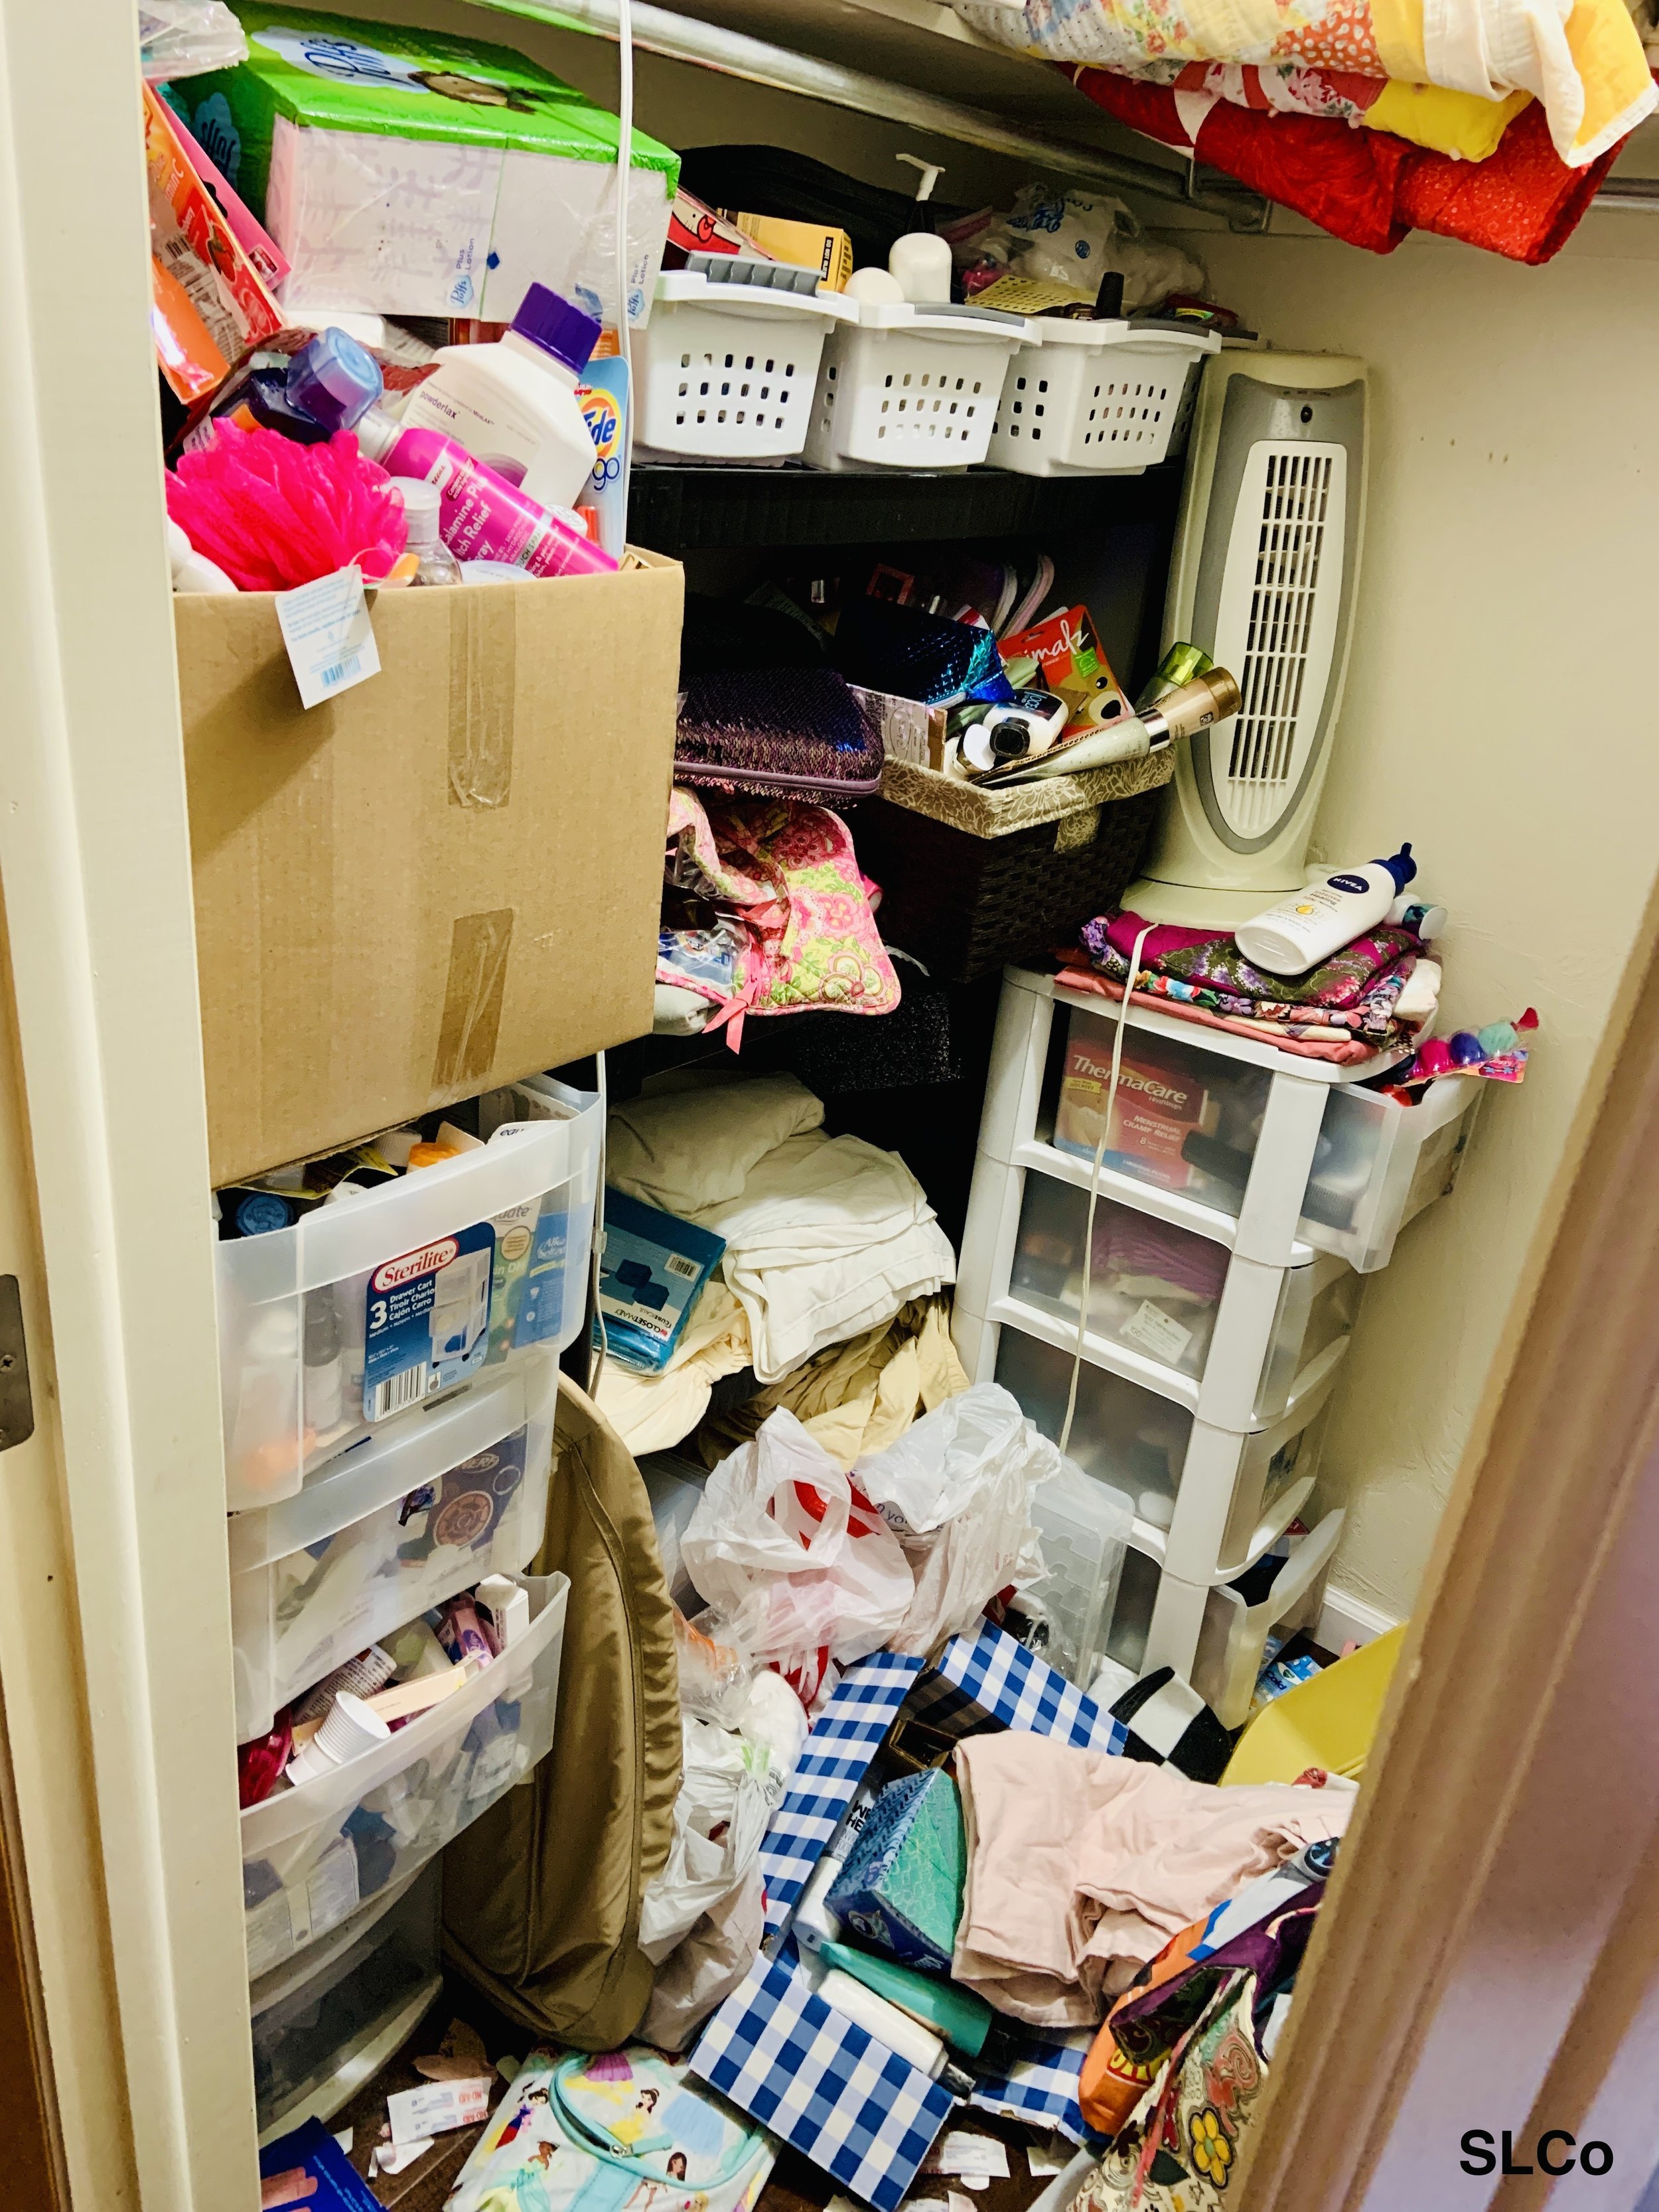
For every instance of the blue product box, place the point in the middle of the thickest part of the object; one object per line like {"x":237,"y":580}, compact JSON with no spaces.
{"x":653,"y":1271}
{"x":310,"y":2172}
{"x":900,"y":1888}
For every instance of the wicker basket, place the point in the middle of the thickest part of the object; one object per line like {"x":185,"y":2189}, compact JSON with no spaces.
{"x":972,"y":879}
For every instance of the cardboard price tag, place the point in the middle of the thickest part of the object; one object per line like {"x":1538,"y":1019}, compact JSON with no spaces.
{"x":330,"y":640}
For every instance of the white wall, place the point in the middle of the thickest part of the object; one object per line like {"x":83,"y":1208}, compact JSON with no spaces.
{"x":1500,"y":712}
{"x":1500,"y":697}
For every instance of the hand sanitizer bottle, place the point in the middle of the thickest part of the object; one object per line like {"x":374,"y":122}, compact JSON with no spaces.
{"x":1291,"y":938}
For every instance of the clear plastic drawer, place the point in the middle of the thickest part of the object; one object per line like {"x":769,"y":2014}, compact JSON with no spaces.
{"x":1191,"y":1118}
{"x":1184,"y":1119}
{"x":312,"y":1854}
{"x":1379,"y":1163}
{"x":427,"y":1508}
{"x":364,"y":1309}
{"x":1226,"y":1625}
{"x":1224,"y":1335}
{"x":325,"y":2023}
{"x":1236,"y":1489}
{"x":1318,"y":1306}
{"x":1154,"y":1288}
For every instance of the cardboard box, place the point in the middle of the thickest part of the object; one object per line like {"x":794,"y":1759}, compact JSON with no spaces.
{"x":804,"y":244}
{"x":404,"y":172}
{"x":1159,"y":1104}
{"x":444,"y":879}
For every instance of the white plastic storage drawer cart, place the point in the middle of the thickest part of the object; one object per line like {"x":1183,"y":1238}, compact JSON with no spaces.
{"x":1242,"y":1195}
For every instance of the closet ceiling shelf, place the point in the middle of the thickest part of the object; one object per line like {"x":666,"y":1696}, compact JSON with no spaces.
{"x":672,"y":508}
{"x":894,"y":31}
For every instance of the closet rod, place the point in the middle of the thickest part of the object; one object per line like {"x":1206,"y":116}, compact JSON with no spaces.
{"x":1628,"y":193}
{"x":685,"y":39}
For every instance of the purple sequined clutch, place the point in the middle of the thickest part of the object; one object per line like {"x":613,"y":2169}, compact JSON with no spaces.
{"x":777,"y":733}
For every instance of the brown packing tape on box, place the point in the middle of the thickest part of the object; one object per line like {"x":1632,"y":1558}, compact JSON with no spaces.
{"x":446,"y":878}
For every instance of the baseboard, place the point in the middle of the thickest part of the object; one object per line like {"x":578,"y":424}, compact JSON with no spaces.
{"x":1347,"y":1619}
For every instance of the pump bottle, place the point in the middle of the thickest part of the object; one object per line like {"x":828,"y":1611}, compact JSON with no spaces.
{"x":1300,"y":931}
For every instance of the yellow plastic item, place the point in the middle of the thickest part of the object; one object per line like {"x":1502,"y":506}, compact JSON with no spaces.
{"x":1328,"y":1723}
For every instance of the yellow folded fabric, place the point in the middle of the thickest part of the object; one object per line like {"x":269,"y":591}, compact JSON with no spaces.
{"x":1460,"y":124}
{"x":856,"y":1397}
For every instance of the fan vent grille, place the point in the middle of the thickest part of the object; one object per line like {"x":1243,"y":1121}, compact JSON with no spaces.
{"x":1301,"y":506}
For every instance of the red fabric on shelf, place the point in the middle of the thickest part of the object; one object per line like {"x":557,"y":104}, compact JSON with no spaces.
{"x":1368,"y":187}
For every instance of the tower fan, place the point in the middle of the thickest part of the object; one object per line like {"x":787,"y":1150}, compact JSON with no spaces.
{"x":1264,"y":572}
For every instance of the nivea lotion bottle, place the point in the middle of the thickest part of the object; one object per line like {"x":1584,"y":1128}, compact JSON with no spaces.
{"x":1296,"y":935}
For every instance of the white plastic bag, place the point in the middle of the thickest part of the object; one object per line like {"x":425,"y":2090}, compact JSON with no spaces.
{"x":1077,"y":238}
{"x":705,"y":1968}
{"x":719,"y":1818}
{"x":956,"y":1490}
{"x":773,"y":1721}
{"x":804,"y":1571}
{"x":183,"y":38}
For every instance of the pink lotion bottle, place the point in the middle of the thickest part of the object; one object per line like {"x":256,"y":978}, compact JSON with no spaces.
{"x":481,"y":517}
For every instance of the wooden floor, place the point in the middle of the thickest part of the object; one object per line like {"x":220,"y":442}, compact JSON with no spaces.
{"x":795,"y":2185}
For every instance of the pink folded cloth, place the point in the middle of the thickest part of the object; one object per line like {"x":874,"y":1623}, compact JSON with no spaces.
{"x":1081,"y":1867}
{"x":1313,"y":1042}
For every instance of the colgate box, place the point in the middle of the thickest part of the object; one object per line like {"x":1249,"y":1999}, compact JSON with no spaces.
{"x":1159,"y":1103}
{"x":446,"y":877}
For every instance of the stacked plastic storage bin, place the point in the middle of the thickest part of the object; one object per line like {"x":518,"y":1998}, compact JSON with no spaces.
{"x":389,"y":1372}
{"x":1244,"y":1196}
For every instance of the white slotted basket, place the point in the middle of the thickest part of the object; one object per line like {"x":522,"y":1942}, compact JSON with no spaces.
{"x":1093,"y":399}
{"x":726,"y":372}
{"x":911,"y":387}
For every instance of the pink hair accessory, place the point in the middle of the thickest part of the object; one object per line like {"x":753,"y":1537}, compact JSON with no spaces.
{"x":273,"y":514}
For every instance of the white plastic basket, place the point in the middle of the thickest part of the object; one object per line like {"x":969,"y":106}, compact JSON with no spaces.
{"x":1093,"y":399}
{"x":911,"y":387}
{"x":727,"y":371}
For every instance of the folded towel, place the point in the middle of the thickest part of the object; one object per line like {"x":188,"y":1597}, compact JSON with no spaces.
{"x":829,"y":1238}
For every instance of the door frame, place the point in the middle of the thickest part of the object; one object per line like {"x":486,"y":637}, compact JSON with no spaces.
{"x":1489,"y":1958}
{"x":114,"y":1650}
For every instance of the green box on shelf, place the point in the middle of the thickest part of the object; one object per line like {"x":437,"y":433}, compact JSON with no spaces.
{"x":404,"y":172}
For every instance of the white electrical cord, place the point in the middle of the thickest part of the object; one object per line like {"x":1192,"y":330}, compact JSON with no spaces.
{"x":624,"y":169}
{"x":1094,"y":1183}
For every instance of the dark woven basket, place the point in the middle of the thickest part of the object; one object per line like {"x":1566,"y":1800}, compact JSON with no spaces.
{"x":966,"y":905}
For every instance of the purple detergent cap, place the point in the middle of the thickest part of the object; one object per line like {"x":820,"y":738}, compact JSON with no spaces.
{"x":557,"y":328}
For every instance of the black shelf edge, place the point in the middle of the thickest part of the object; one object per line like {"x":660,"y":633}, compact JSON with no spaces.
{"x":674,"y":510}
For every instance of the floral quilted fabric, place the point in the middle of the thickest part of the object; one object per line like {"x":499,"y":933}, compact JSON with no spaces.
{"x":1583,"y":59}
{"x":789,"y":874}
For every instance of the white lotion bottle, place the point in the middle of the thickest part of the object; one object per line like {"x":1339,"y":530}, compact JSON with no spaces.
{"x":513,"y":405}
{"x":1318,"y":921}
